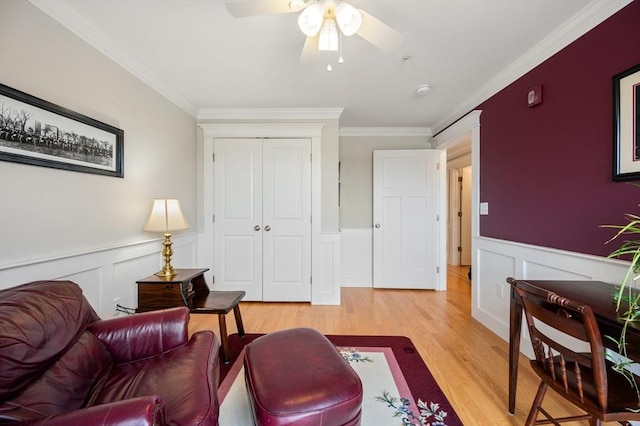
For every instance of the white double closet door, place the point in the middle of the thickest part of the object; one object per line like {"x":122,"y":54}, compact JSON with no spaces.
{"x":262,"y":224}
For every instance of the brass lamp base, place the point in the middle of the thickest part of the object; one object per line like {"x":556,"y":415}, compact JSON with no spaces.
{"x":167,"y":270}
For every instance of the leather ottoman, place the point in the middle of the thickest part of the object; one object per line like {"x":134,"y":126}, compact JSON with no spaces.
{"x":297,"y":377}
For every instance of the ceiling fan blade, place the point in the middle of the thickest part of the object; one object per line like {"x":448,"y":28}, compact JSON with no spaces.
{"x":310,"y":51}
{"x":242,"y":9}
{"x":378,"y":33}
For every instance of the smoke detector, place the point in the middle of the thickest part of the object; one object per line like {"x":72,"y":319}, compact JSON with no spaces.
{"x":423,"y":89}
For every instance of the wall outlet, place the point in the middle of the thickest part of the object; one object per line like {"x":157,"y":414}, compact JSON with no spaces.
{"x":499,"y":290}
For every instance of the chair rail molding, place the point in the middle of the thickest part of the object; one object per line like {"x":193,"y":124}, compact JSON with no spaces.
{"x":495,"y":260}
{"x":107,"y":276}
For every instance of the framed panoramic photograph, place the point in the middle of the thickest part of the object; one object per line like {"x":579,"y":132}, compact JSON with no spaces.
{"x":34,"y":131}
{"x":626,"y":125}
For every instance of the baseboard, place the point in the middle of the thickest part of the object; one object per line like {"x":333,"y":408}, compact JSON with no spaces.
{"x":357,"y":257}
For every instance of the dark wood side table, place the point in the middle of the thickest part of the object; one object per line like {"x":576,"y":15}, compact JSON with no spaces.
{"x":189,"y":288}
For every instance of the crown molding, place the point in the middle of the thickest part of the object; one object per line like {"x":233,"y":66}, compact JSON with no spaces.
{"x":588,"y":18}
{"x":270,"y":113}
{"x":65,"y":15}
{"x":253,"y":130}
{"x":386,"y":131}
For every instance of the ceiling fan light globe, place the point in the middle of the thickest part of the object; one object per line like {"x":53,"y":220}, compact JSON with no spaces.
{"x":328,"y":40}
{"x":310,"y":20}
{"x":296,"y":5}
{"x":348,"y":18}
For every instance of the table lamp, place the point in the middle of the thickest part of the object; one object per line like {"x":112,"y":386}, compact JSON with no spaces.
{"x":166,"y":216}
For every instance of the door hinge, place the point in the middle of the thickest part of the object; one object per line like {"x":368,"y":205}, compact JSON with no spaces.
{"x":310,"y":280}
{"x":459,"y":214}
{"x":459,"y":178}
{"x":214,"y":218}
{"x":460,"y":249}
{"x":438,"y":166}
{"x":213,"y":279}
{"x":437,"y":269}
{"x":213,"y":157}
{"x":437,"y":218}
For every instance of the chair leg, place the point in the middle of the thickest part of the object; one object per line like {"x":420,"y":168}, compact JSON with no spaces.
{"x":537,"y":402}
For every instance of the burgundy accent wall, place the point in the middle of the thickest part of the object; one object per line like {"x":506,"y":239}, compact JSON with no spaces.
{"x":546,"y":171}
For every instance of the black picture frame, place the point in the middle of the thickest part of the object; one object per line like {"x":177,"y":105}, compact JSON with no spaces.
{"x":626,"y":125}
{"x":37,"y":132}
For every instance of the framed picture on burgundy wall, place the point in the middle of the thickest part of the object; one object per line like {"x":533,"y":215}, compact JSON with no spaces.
{"x":626,"y":125}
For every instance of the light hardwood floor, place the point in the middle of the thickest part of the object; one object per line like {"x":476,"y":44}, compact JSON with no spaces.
{"x":468,"y":361}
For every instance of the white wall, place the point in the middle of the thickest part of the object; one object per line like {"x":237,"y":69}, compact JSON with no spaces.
{"x":55,"y":214}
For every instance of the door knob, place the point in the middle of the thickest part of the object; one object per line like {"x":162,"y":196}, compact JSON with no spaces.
{"x":267,"y":228}
{"x":256,"y":228}
{"x":377,"y":225}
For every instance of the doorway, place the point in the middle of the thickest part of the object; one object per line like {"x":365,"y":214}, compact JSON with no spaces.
{"x":464,"y":216}
{"x":461,"y":140}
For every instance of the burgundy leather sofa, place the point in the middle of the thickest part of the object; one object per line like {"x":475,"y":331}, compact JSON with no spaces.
{"x":61,"y":364}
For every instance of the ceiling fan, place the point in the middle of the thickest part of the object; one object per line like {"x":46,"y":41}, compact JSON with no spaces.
{"x":324,"y":22}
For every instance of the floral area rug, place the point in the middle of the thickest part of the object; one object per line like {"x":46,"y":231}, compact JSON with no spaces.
{"x":398,"y":387}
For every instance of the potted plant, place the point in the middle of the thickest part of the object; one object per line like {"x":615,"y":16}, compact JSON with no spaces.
{"x":627,"y":296}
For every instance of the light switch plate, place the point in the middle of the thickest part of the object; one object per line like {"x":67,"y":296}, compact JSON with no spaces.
{"x":484,"y":208}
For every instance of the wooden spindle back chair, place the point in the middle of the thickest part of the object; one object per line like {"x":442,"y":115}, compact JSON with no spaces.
{"x":584,"y":378}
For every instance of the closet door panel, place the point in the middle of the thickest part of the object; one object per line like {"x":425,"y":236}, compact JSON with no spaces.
{"x":238,"y":220}
{"x":287,"y":220}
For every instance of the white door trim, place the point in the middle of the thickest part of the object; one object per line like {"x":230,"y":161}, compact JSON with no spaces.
{"x":468,"y":127}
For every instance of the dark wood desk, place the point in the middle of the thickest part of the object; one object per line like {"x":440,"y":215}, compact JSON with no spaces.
{"x":189,"y":288}
{"x":597,"y":294}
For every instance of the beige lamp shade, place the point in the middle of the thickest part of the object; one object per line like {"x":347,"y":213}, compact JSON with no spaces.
{"x":166,"y":215}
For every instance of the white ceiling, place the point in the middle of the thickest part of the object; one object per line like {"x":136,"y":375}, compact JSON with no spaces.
{"x":199,"y":56}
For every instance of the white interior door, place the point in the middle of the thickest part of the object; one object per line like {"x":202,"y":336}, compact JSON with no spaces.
{"x":238,"y":217}
{"x":465,"y":217}
{"x":287,"y":220}
{"x":263,"y":218}
{"x":405,"y":216}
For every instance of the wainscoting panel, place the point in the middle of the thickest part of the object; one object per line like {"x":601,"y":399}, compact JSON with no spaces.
{"x":327,"y":290}
{"x":541,"y":272}
{"x":106,"y":276}
{"x":493,"y":297}
{"x":357,"y":257}
{"x":495,"y":260}
{"x":126,"y":272}
{"x":91,"y":283}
